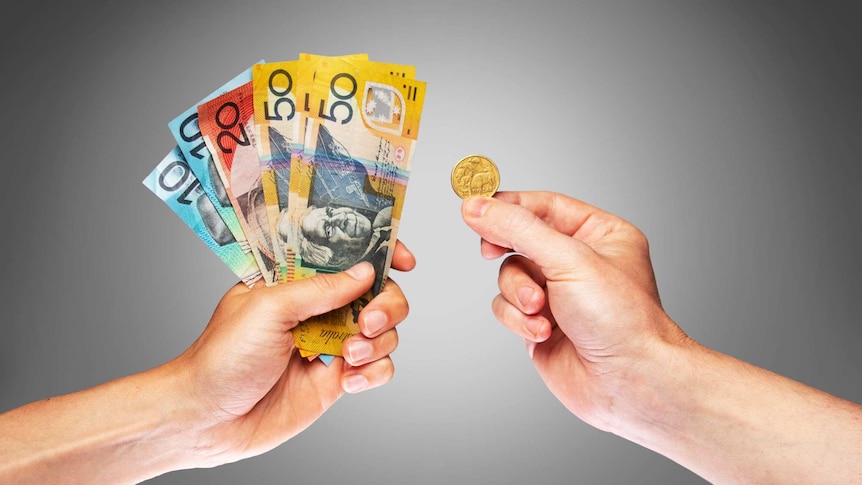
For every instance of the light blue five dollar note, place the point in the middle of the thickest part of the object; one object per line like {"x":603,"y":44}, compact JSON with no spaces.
{"x":174,"y":182}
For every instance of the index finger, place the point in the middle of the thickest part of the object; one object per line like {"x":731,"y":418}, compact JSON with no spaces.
{"x":538,"y":225}
{"x":402,"y":257}
{"x":566,"y":214}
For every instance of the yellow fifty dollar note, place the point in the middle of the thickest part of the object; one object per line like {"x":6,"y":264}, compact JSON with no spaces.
{"x":347,"y":186}
{"x":279,"y":122}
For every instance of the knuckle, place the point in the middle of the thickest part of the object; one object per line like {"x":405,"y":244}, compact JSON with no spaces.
{"x":324,"y":283}
{"x":520,"y":221}
{"x":639,"y":239}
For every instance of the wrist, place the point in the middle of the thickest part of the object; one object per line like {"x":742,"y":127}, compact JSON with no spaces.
{"x":730,"y":421}
{"x":157,"y":425}
{"x":661,"y":388}
{"x":187,"y":424}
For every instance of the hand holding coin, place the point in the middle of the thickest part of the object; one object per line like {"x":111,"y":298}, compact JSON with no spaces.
{"x":475,"y":175}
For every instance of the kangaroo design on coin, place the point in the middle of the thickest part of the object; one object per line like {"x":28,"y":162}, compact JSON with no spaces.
{"x":475,"y":175}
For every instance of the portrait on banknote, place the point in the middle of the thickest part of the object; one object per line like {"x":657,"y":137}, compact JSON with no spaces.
{"x":335,"y":236}
{"x":215,"y":226}
{"x":346,"y":220}
{"x":218,"y":187}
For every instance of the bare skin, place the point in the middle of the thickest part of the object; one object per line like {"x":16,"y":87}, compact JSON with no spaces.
{"x":582,"y":294}
{"x":239,"y":390}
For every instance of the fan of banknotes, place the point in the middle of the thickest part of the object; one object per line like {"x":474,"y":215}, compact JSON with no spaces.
{"x":296,"y":168}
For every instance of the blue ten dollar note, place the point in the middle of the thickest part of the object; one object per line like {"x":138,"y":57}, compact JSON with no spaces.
{"x":187,"y":134}
{"x":174,"y":182}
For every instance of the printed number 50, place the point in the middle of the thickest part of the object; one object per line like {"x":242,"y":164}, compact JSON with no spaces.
{"x":341,"y":97}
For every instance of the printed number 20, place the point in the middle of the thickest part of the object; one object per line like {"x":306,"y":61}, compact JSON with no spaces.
{"x":232,"y":120}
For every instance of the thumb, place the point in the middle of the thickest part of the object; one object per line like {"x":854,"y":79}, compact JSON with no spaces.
{"x":300,"y":300}
{"x":515,"y":227}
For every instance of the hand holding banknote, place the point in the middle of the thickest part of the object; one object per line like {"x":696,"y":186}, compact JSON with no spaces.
{"x":301,"y":166}
{"x":239,"y":390}
{"x":252,"y":380}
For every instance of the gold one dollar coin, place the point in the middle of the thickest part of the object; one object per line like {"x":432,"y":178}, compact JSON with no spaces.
{"x":475,"y":175}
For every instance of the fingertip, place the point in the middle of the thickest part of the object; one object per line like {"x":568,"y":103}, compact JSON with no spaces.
{"x":354,"y":383}
{"x":474,"y":210}
{"x":373,"y":322}
{"x":357,"y":351}
{"x":403,"y":259}
{"x":361,"y":271}
{"x":491,"y":250}
{"x":368,"y":376}
{"x":538,"y":329}
{"x":475,"y":206}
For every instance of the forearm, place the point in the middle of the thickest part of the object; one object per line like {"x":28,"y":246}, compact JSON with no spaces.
{"x":124,"y":431}
{"x":732,"y":422}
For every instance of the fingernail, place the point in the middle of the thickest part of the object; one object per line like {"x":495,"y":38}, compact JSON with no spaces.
{"x":525,"y":297}
{"x":354,"y":383}
{"x":476,"y":206}
{"x":361,"y":271}
{"x":359,"y":350}
{"x":375,"y":320}
{"x":534,"y":326}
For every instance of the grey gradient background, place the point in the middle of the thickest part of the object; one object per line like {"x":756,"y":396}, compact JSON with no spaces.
{"x":729,"y":133}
